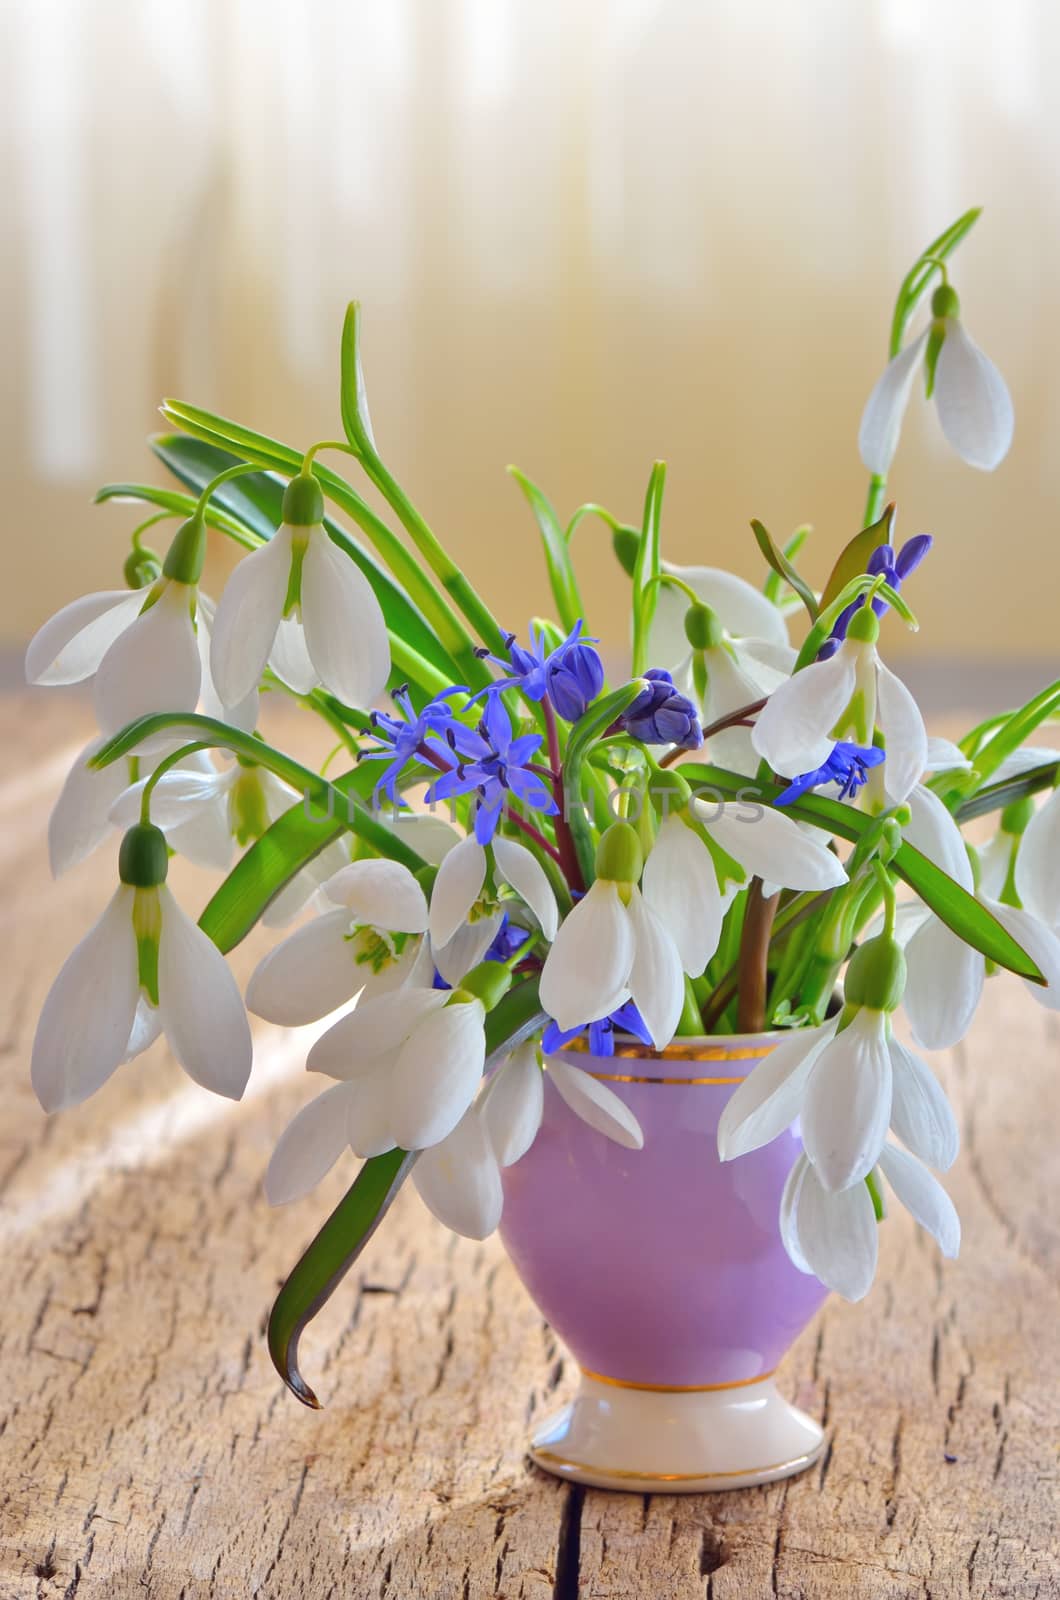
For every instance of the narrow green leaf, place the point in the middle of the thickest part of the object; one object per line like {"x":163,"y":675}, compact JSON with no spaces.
{"x":181,"y":505}
{"x":344,"y":1235}
{"x":1018,"y":728}
{"x":557,"y":552}
{"x":854,"y":558}
{"x":772,"y":588}
{"x":953,"y":905}
{"x":647,"y":567}
{"x":586,"y":732}
{"x":784,"y":569}
{"x":996,"y":796}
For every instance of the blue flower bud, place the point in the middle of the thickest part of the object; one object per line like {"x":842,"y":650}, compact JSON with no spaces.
{"x":661,"y":715}
{"x":574,"y":675}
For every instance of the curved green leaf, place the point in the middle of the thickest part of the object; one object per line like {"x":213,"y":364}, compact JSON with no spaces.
{"x":557,"y":552}
{"x":784,"y":568}
{"x":647,"y":567}
{"x":344,"y":1235}
{"x":854,"y":558}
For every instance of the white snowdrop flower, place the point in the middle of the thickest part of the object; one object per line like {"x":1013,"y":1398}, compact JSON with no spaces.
{"x":302,"y":605}
{"x":946,"y":976}
{"x":972,"y":399}
{"x":368,"y":943}
{"x":464,"y":919}
{"x":613,"y":947}
{"x":90,"y":806}
{"x":845,"y":697}
{"x":204,"y":812}
{"x":1038,"y":863}
{"x":410,"y":1062}
{"x":686,"y":888}
{"x":834,"y":1235}
{"x":459,"y":1178}
{"x":743,"y":612}
{"x":144,"y":968}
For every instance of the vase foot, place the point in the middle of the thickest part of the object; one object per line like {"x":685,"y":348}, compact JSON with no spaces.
{"x":665,"y":1442}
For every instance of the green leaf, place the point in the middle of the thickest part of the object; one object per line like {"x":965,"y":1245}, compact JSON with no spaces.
{"x":181,"y":505}
{"x":344,"y":1235}
{"x":996,"y":796}
{"x":854,"y":558}
{"x":557,"y":552}
{"x":954,"y":906}
{"x":1018,"y":728}
{"x":772,"y":586}
{"x":647,"y":567}
{"x":922,"y":271}
{"x":784,"y":569}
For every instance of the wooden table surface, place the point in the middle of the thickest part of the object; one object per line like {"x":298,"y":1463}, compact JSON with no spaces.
{"x":148,"y":1449}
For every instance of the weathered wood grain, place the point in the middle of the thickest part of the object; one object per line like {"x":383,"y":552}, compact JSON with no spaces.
{"x":147,"y":1449}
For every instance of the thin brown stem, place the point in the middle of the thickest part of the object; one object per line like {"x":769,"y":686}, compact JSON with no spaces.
{"x":753,"y":972}
{"x":734,"y":719}
{"x":535,"y":834}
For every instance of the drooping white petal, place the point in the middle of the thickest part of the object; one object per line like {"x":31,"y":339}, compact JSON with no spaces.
{"x":793,"y":730}
{"x":308,"y":1148}
{"x":881,"y":421}
{"x":771,"y":846}
{"x":177,"y":796}
{"x":521,"y":869}
{"x":789,"y":1202}
{"x":945,"y":756}
{"x":200,"y":1005}
{"x":1025,"y":759}
{"x":974,"y":405}
{"x":679,"y":883}
{"x":738,"y":679}
{"x":437,"y":1074}
{"x":1038,"y":863}
{"x":921,"y":1115}
{"x":459,"y":1179}
{"x":88,"y":1014}
{"x":244,"y":715}
{"x":205,"y":838}
{"x":289,"y":657}
{"x":380,"y":894}
{"x":345,"y":633}
{"x":742,"y":610}
{"x":466,"y":948}
{"x":456,"y":888}
{"x":837,"y":1235}
{"x":248,"y":614}
{"x":513,"y":1105}
{"x":596,"y":1104}
{"x":933,"y":831}
{"x":430,"y":836}
{"x":847,"y":1105}
{"x":923,"y":1197}
{"x":372,"y":1032}
{"x":1039,"y":942}
{"x":80,"y":819}
{"x":944,"y":982}
{"x":586,"y":972}
{"x":312,"y":972}
{"x":904,"y":734}
{"x":153,"y":665}
{"x":368,"y":1112}
{"x":770,"y":1097}
{"x":71,"y":645}
{"x":656,"y":980}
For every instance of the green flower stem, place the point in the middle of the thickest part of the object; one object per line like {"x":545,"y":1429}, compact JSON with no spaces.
{"x":646,"y":569}
{"x":160,"y":771}
{"x":226,"y":476}
{"x":876,"y":499}
{"x":585,"y":734}
{"x":316,"y":791}
{"x":690,"y":1022}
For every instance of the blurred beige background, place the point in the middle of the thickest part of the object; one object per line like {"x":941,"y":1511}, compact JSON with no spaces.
{"x":586,"y":234}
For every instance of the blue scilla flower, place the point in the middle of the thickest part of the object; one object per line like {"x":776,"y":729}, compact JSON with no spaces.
{"x":662,"y":715}
{"x":571,"y":675}
{"x":496,"y":764}
{"x":894,"y":569}
{"x":848,"y":765}
{"x":627,"y":1019}
{"x":400,"y":737}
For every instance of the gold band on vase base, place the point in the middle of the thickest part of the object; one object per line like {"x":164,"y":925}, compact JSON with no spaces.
{"x":794,"y":1465}
{"x":677,"y":1388}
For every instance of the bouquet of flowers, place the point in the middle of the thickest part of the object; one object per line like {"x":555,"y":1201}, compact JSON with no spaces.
{"x":742,"y":834}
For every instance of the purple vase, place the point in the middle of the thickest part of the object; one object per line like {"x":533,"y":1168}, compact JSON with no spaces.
{"x":664,"y":1272}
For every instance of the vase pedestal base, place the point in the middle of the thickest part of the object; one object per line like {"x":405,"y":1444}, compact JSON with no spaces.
{"x":676,"y":1441}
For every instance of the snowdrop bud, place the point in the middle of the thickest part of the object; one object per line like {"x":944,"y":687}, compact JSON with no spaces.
{"x":619,"y":856}
{"x":864,"y":626}
{"x":890,"y":837}
{"x":142,"y":568}
{"x":303,"y":502}
{"x":876,"y":974}
{"x":143,"y":860}
{"x":185,"y":556}
{"x":703,"y":629}
{"x":488,"y":982}
{"x":945,"y":302}
{"x":669,"y":792}
{"x":626,"y":543}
